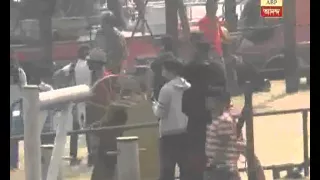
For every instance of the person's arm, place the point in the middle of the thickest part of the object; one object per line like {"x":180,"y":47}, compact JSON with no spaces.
{"x":241,"y":146}
{"x":161,"y":108}
{"x":201,"y":26}
{"x":22,"y":77}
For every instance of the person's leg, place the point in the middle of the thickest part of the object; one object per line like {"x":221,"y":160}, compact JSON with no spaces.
{"x":102,"y":170}
{"x":182,"y":156}
{"x":167,"y":156}
{"x":223,"y":175}
{"x":231,"y":76}
{"x":196,"y":162}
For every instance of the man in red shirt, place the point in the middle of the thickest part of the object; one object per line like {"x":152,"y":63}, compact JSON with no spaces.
{"x":215,"y":34}
{"x":211,"y":28}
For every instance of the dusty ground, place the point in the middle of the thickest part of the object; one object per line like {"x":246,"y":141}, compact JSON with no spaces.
{"x":278,"y":139}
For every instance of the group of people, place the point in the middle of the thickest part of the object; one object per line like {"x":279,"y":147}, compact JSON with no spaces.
{"x":197,"y":130}
{"x":193,"y":104}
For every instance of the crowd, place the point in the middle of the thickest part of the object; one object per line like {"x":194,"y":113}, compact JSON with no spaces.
{"x":192,"y":102}
{"x":197,"y":130}
{"x":193,"y":105}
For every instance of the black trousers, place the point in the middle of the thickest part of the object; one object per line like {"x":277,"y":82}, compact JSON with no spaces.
{"x":172,"y":151}
{"x":220,"y":175}
{"x":196,"y":156}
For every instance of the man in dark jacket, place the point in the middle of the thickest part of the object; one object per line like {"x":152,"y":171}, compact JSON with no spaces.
{"x":204,"y":75}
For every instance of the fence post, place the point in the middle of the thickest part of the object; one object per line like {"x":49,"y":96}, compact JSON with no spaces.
{"x":128,"y":166}
{"x":32,"y":157}
{"x":305,"y":142}
{"x":14,"y":154}
{"x":249,"y":132}
{"x":74,"y":137}
{"x":46,"y":152}
{"x":59,"y":144}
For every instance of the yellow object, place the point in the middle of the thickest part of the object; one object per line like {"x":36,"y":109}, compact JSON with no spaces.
{"x":225,"y":36}
{"x":269,"y":3}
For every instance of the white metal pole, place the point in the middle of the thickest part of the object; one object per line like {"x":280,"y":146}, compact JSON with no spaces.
{"x":32,"y":153}
{"x":128,"y":166}
{"x":59,"y":144}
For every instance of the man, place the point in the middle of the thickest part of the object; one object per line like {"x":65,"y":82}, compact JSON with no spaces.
{"x":172,"y":123}
{"x":75,"y":73}
{"x":211,"y":28}
{"x":203,"y":74}
{"x":216,"y":35}
{"x":223,"y":147}
{"x":110,"y":39}
{"x":105,"y":165}
{"x":156,"y":66}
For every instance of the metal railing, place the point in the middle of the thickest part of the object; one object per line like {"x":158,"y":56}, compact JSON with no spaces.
{"x":276,"y":169}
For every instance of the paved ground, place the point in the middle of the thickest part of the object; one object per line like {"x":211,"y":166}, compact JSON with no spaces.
{"x":278,"y":139}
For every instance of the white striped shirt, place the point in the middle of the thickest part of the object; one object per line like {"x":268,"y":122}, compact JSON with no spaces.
{"x":222,"y":144}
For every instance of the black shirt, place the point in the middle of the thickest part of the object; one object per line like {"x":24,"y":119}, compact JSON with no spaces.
{"x":202,"y":75}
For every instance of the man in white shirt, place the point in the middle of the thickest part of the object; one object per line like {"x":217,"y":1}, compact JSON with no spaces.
{"x":75,"y":73}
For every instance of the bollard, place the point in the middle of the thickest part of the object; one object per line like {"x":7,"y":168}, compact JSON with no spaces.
{"x":128,"y":166}
{"x":32,"y":153}
{"x":46,"y":152}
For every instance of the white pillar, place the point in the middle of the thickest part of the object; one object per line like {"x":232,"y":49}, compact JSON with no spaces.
{"x":32,"y":153}
{"x":59,"y":144}
{"x":128,"y":166}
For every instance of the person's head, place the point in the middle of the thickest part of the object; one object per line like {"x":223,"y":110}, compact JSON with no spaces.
{"x":171,"y":68}
{"x":211,"y":8}
{"x":108,"y":19}
{"x":218,"y":104}
{"x":83,"y":52}
{"x":167,"y":43}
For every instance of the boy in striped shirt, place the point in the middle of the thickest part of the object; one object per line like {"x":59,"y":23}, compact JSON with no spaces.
{"x":223,"y":147}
